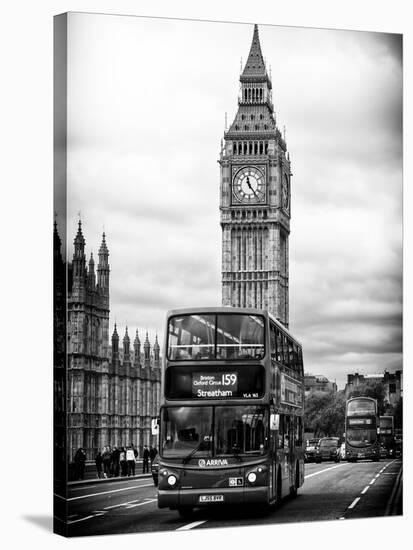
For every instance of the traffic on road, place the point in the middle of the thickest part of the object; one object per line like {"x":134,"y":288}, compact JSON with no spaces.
{"x":331,"y":490}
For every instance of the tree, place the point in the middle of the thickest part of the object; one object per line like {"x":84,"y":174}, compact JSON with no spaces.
{"x":324,"y":413}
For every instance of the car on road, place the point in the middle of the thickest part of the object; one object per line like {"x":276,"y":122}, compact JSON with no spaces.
{"x":383,"y":452}
{"x":328,"y":449}
{"x":311,"y":449}
{"x":155,"y":470}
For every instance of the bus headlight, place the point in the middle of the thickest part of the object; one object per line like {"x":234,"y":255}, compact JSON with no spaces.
{"x":172,"y":480}
{"x":252,"y":477}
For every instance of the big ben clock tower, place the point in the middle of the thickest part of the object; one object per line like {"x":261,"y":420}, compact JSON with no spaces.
{"x":255,"y":198}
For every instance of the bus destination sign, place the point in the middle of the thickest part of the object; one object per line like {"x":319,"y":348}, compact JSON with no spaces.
{"x":214,"y":384}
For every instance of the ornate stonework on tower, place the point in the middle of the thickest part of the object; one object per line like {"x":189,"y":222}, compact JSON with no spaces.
{"x":255,"y":198}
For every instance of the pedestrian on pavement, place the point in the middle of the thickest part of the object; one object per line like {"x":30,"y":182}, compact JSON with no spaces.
{"x":99,"y":463}
{"x":115,"y":462}
{"x":130,"y":457}
{"x":152,"y":453}
{"x":145,"y":460}
{"x":122,"y":462}
{"x":80,"y":459}
{"x":107,"y":458}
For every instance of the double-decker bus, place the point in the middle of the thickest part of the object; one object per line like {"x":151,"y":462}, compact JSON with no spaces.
{"x":231,"y":418}
{"x":387,"y":439}
{"x":362,"y":427}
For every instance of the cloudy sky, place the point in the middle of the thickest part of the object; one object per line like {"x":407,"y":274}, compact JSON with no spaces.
{"x":146,"y":111}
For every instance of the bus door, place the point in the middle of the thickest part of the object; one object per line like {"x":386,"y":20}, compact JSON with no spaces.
{"x":284,"y":451}
{"x":274,"y":435}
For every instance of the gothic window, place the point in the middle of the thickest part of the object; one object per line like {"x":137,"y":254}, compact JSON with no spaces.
{"x":255,"y":148}
{"x":261,"y":116}
{"x":257,"y":127}
{"x":261,"y":95}
{"x":245,"y":95}
{"x":265,"y":127}
{"x":260,"y":147}
{"x":266,"y":147}
{"x":236,"y":127}
{"x":242,"y":117}
{"x":246,"y":127}
{"x":252,"y":117}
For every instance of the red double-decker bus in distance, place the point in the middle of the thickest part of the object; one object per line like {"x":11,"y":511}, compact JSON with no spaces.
{"x":362,"y":429}
{"x":387,"y":439}
{"x":231,"y":419}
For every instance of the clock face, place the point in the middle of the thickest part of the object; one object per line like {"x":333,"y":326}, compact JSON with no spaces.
{"x":285,"y":193}
{"x":249,"y":185}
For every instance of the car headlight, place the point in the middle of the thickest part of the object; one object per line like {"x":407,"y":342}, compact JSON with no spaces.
{"x":172,"y":480}
{"x":252,"y":477}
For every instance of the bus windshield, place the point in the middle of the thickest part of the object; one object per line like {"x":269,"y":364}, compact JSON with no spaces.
{"x":226,"y":336}
{"x":359,"y":437}
{"x":361,"y":407}
{"x":214,"y":431}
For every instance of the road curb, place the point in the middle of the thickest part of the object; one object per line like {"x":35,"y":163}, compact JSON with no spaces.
{"x":396,"y":496}
{"x":106,"y":479}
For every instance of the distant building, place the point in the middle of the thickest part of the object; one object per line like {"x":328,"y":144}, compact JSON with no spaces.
{"x":112,"y":392}
{"x":391,"y":381}
{"x":318,"y":382}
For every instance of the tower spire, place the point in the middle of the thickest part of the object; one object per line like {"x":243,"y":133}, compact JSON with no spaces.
{"x":255,"y":65}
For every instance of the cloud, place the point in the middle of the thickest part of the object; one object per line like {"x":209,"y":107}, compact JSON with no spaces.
{"x":146,"y":109}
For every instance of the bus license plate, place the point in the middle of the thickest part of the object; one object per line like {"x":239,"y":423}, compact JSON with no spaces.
{"x":360,"y":455}
{"x":211,"y":498}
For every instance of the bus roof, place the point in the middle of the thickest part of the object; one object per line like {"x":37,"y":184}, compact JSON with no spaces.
{"x":229,"y":309}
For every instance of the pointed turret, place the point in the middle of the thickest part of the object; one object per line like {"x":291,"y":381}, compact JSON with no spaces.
{"x":137,"y":349}
{"x":126,"y":345}
{"x":115,"y":343}
{"x":103,"y":266}
{"x":79,"y":259}
{"x":91,"y":277}
{"x":156,"y":350}
{"x":57,"y":244}
{"x":147,"y":348}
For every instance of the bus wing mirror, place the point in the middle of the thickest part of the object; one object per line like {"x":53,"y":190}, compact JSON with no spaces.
{"x":274,"y":421}
{"x":155,"y":426}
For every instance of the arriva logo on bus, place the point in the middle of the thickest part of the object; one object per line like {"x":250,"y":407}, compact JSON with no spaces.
{"x":212,"y":462}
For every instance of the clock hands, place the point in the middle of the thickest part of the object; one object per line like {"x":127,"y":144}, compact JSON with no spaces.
{"x":250,"y":186}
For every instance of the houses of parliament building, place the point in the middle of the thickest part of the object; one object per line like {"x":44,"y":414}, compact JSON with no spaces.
{"x":112,"y":391}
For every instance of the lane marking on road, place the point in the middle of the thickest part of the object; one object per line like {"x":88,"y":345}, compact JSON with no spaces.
{"x":119,"y":504}
{"x":325,"y":470}
{"x":111,"y":491}
{"x":190,"y":525}
{"x":364,"y":491}
{"x":372,"y":481}
{"x":81,"y":519}
{"x":141,"y":503}
{"x":354,"y":503}
{"x":377,"y":475}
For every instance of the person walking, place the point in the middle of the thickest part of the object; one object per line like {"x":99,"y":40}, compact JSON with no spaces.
{"x":122,"y":462}
{"x":99,"y":463}
{"x":80,"y":459}
{"x":145,"y":460}
{"x":107,"y":456}
{"x":152,"y":454}
{"x":114,"y":468}
{"x":130,"y":457}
